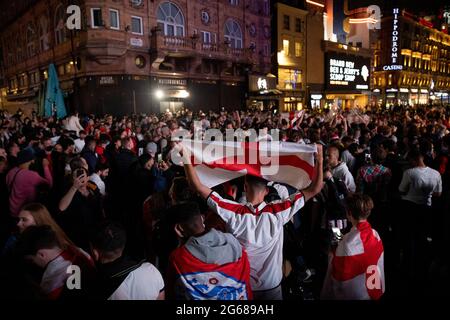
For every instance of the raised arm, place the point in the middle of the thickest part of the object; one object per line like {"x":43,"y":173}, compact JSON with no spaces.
{"x":192,"y":176}
{"x":317,"y":183}
{"x":194,"y":181}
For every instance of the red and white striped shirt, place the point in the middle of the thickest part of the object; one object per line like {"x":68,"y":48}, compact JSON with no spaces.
{"x":260,"y":231}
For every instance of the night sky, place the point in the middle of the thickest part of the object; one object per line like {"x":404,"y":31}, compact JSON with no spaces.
{"x":418,"y":7}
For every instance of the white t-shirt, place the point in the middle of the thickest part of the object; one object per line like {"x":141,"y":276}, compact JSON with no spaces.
{"x":341,"y":172}
{"x":79,"y":145}
{"x":420,"y":184}
{"x":95,"y":178}
{"x":144,"y":283}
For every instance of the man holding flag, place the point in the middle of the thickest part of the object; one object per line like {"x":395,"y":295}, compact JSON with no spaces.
{"x":258,"y":225}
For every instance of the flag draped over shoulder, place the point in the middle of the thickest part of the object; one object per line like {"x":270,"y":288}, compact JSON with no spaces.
{"x":217,"y":162}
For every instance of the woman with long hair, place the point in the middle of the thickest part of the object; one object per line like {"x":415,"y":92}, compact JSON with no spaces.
{"x":36,"y":214}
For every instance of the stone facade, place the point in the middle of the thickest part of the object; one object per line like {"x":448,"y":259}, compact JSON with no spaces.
{"x":133,"y":55}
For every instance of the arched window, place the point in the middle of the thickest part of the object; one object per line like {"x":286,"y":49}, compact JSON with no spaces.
{"x":43,"y":33}
{"x":170,"y":19}
{"x":31,"y":40}
{"x":233,"y":34}
{"x":60,"y":33}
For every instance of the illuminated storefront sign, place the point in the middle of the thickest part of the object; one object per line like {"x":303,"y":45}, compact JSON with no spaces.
{"x":394,"y":42}
{"x":261,"y":84}
{"x":347,"y":72}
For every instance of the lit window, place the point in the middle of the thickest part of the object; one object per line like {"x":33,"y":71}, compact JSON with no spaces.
{"x":286,"y":47}
{"x":298,"y":49}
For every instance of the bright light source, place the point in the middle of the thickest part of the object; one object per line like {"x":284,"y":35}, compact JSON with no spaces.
{"x":159,"y":94}
{"x":183,"y":94}
{"x":362,"y":20}
{"x":315,"y":3}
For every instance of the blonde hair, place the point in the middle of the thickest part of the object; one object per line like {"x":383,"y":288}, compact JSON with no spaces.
{"x":42,"y":217}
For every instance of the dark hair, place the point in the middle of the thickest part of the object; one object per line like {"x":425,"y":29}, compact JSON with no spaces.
{"x":336,"y":146}
{"x":256,"y":181}
{"x":101,"y":166}
{"x":377,"y":155}
{"x":35,"y":238}
{"x":359,"y":205}
{"x":180,"y":189}
{"x":109,"y":238}
{"x":115,"y":139}
{"x":415,"y":154}
{"x":347,"y":139}
{"x":66,"y":143}
{"x":389,"y":145}
{"x":183,"y":213}
{"x":76,"y":163}
{"x":353,"y":148}
{"x":144,"y":158}
{"x":88,"y":140}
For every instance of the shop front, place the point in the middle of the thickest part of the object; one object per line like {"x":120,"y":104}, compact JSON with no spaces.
{"x":347,"y":80}
{"x":263,"y":94}
{"x":169,"y":94}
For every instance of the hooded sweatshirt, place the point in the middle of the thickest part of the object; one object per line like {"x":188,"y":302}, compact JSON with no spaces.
{"x":213,"y":266}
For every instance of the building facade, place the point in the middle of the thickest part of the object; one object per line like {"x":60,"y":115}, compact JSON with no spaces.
{"x":412,"y":61}
{"x":290,"y":55}
{"x":138,"y":55}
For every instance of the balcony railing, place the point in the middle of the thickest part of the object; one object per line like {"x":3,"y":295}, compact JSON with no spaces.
{"x":178,"y":42}
{"x":193,"y":45}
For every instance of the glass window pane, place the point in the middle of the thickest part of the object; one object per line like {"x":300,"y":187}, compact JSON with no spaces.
{"x":180,"y":32}
{"x":170,"y":30}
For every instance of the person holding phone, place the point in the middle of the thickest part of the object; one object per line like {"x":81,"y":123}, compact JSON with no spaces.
{"x":81,"y":208}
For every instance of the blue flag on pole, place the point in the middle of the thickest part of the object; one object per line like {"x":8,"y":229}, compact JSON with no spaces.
{"x":54,"y":101}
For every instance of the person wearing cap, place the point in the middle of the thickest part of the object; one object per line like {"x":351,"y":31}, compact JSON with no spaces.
{"x":23,"y":183}
{"x":152,"y":149}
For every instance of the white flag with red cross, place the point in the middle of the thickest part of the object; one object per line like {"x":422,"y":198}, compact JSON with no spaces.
{"x":217,"y":162}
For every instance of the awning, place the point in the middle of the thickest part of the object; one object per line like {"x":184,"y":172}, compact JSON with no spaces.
{"x":270,"y":92}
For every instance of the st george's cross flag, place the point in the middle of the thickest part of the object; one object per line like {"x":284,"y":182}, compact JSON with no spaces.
{"x":217,"y":162}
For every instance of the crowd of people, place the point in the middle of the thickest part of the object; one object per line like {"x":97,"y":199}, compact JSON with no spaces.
{"x":95,"y":207}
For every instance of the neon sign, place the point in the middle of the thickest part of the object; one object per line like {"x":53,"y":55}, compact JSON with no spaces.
{"x":395,"y":43}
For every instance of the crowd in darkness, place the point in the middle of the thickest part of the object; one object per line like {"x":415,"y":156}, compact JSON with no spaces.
{"x":103,"y":193}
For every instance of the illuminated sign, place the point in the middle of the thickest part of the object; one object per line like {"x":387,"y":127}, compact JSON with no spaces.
{"x":106,"y":80}
{"x":446,"y":17}
{"x":394,"y":47}
{"x":262,"y":84}
{"x":394,"y":43}
{"x":347,"y":72}
{"x":172,"y":82}
{"x":393,"y":67}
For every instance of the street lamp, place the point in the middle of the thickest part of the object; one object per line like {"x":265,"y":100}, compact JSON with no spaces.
{"x":159,"y":94}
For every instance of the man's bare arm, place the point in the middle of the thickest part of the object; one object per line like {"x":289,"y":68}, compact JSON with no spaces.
{"x":317,"y":183}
